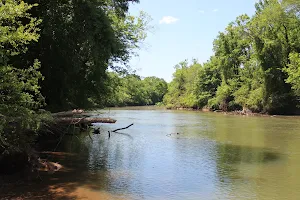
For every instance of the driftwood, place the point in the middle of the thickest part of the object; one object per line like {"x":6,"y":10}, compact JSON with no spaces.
{"x":68,"y":113}
{"x":84,"y":120}
{"x":122,"y":128}
{"x":77,"y":117}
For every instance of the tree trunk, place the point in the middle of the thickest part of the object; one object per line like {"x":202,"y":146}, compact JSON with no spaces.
{"x":84,"y":120}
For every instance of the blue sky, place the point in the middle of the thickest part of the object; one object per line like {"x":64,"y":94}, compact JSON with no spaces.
{"x":183,"y":30}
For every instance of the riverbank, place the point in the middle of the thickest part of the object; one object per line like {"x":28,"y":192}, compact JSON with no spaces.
{"x":236,"y":112}
{"x":66,"y":184}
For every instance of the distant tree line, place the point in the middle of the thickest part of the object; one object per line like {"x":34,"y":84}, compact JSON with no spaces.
{"x":255,"y":66}
{"x":132,"y":90}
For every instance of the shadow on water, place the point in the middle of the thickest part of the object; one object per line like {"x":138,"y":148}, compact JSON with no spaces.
{"x":76,"y":180}
{"x":230,"y":156}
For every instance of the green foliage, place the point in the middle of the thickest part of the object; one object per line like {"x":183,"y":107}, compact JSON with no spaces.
{"x":232,"y":47}
{"x":224,"y":96}
{"x":275,"y":33}
{"x":20,"y":100}
{"x":207,"y":82}
{"x":79,"y":41}
{"x":14,"y":34}
{"x":293,"y":71}
{"x":20,"y":97}
{"x":155,"y":89}
{"x":62,"y":50}
{"x":181,"y":89}
{"x":250,"y":90}
{"x":129,"y":31}
{"x":131,"y":90}
{"x":255,"y":65}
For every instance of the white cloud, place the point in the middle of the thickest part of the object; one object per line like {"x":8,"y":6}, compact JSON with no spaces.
{"x":201,"y":11}
{"x":168,"y":20}
{"x":215,"y":10}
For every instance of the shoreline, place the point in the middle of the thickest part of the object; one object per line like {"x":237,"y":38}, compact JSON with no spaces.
{"x":236,"y":112}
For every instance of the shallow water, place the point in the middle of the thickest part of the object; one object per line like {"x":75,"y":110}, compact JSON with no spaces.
{"x":214,"y":156}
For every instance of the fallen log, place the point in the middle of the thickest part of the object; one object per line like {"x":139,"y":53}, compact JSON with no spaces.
{"x":68,"y":113}
{"x":122,"y":128}
{"x":84,"y":120}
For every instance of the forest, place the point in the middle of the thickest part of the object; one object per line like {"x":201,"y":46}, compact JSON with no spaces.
{"x":132,"y":90}
{"x":60,"y":55}
{"x":255,"y":66}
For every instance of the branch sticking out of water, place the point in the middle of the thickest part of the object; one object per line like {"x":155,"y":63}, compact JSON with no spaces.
{"x":122,"y":128}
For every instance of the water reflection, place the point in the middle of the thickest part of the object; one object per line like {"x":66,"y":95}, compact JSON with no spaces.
{"x":214,"y":157}
{"x":236,"y":166}
{"x":233,"y":154}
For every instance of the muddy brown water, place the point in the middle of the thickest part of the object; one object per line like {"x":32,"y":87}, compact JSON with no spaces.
{"x":214,"y":156}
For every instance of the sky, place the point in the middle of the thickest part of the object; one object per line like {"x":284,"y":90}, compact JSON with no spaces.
{"x":183,"y":29}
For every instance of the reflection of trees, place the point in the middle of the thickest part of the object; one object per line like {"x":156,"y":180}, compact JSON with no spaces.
{"x":229,"y":155}
{"x":109,"y":163}
{"x":234,"y":154}
{"x":241,"y":141}
{"x":86,"y":164}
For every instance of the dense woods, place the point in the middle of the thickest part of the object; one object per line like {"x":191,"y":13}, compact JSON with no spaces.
{"x":255,"y":66}
{"x":54,"y":56}
{"x":132,"y":90}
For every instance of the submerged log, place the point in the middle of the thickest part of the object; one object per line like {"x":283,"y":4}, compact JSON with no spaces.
{"x":84,"y":120}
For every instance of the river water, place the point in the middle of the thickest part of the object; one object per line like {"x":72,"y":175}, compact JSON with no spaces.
{"x":183,"y":155}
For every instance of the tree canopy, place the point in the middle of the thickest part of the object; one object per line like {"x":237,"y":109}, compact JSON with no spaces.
{"x":54,"y":55}
{"x":255,"y":65}
{"x":20,"y":96}
{"x":132,"y":90}
{"x":79,"y":41}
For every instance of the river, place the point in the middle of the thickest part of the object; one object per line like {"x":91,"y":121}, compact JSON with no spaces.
{"x":182,"y":155}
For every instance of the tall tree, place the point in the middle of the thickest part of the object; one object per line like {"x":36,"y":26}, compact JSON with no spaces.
{"x":155,"y":88}
{"x":293,"y":71}
{"x":255,"y":64}
{"x":79,"y":41}
{"x":181,"y":89}
{"x":207,"y":82}
{"x":272,"y":28}
{"x":20,"y":97}
{"x":232,"y":50}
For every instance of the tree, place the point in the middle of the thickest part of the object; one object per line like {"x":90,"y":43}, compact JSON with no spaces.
{"x":232,"y":51}
{"x":293,"y":71}
{"x":255,"y":65}
{"x":131,"y":90}
{"x":79,"y":41}
{"x":181,"y":89}
{"x":155,"y":88}
{"x":272,"y":28}
{"x":207,"y":82}
{"x":20,"y":97}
